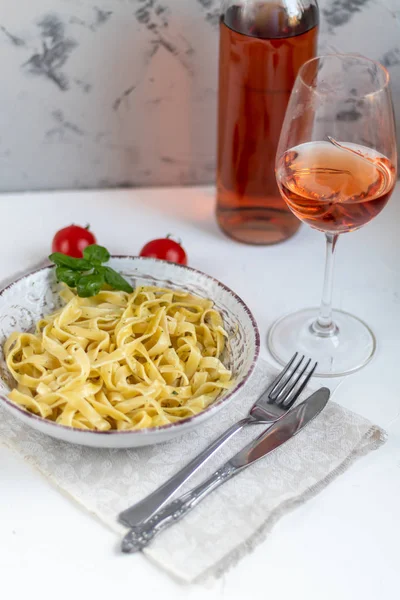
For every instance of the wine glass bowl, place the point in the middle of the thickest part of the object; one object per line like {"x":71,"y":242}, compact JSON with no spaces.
{"x":336,"y":170}
{"x":335,"y":187}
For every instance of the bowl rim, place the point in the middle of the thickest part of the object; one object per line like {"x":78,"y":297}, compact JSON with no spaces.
{"x":149,"y":431}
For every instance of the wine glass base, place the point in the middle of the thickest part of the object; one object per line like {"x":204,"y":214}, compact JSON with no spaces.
{"x":349,"y":349}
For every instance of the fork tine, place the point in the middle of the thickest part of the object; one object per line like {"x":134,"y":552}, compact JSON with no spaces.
{"x":277,"y":389}
{"x":287,"y":392}
{"x":282,"y":374}
{"x":301,"y":387}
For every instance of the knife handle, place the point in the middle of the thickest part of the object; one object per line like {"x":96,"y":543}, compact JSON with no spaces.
{"x":139,"y":537}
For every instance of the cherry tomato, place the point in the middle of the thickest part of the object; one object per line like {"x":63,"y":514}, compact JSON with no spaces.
{"x":73,"y":240}
{"x":165,"y":249}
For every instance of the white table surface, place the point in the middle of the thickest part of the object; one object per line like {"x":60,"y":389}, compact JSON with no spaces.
{"x":345,"y":542}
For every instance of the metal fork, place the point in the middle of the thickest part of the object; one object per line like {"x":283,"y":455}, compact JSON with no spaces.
{"x":273,"y":403}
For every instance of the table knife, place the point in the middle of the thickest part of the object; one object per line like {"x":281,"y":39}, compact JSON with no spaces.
{"x":283,"y":430}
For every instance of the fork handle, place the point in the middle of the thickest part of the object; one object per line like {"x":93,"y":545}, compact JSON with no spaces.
{"x":139,"y":537}
{"x":137,"y":514}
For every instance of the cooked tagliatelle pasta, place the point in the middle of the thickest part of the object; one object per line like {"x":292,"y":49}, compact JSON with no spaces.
{"x":121,"y":361}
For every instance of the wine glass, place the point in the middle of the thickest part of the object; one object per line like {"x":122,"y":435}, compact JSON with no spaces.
{"x":336,"y":169}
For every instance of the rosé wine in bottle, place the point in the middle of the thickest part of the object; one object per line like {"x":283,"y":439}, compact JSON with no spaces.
{"x":262,"y":47}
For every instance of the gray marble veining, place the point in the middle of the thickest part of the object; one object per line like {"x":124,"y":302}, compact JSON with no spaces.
{"x":123,"y":92}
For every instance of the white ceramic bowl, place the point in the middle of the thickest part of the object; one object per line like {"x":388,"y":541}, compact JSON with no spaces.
{"x":28,"y":299}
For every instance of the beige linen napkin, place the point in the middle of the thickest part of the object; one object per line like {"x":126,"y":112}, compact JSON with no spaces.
{"x":104,"y":482}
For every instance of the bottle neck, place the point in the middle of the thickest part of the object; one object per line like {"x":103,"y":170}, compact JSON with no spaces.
{"x":270,"y":20}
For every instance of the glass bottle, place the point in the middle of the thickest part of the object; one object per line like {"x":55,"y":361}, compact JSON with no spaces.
{"x":262,"y":46}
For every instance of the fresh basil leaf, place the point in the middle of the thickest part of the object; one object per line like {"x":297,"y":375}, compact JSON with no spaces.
{"x":96,"y":254}
{"x":87,"y":274}
{"x":68,"y":276}
{"x":89,"y":285}
{"x":77,"y":264}
{"x":116,"y":281}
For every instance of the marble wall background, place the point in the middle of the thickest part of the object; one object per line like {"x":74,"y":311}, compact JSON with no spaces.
{"x":103,"y":93}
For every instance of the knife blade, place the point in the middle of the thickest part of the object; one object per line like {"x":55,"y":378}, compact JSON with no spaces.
{"x":283,"y":430}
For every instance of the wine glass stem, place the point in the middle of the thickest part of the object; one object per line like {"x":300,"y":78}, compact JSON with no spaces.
{"x":324,"y":325}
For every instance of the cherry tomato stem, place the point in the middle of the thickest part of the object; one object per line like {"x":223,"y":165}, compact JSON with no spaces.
{"x":172,"y":237}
